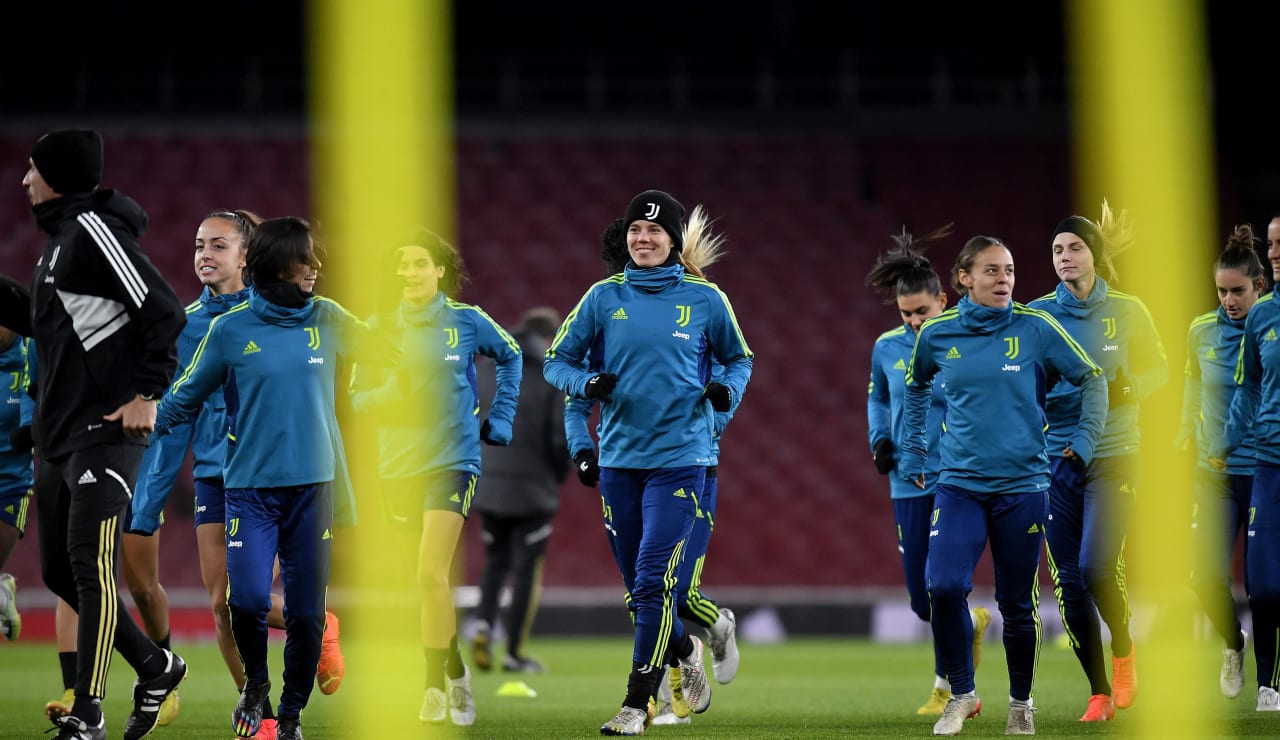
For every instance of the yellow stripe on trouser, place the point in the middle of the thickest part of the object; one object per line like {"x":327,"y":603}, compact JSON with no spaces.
{"x":471,"y":491}
{"x":21,"y":523}
{"x":704,"y":609}
{"x":1122,"y":581}
{"x":1275,"y":662}
{"x":668,"y":606}
{"x":1035,"y":617}
{"x":107,"y":614}
{"x":1057,"y":594}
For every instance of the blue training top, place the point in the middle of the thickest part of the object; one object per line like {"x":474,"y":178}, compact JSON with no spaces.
{"x":276,"y":366}
{"x":886,"y":402}
{"x":1117,"y":331}
{"x":16,"y":471}
{"x":1213,"y":350}
{"x":206,"y":435}
{"x":1256,"y":404}
{"x":997,"y":363}
{"x":436,"y":386}
{"x":577,"y":417}
{"x":658,"y":330}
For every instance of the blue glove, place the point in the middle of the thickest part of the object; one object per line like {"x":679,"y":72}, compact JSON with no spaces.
{"x":495,"y":432}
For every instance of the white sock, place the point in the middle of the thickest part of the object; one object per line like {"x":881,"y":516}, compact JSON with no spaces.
{"x":1019,"y":702}
{"x":941,"y":683}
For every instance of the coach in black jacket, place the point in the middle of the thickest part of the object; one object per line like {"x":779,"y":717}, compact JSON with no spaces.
{"x":105,"y":325}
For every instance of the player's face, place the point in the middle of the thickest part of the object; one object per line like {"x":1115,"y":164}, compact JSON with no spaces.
{"x":219,"y":257}
{"x":1236,"y":292}
{"x":1072,"y":259}
{"x":38,"y":191}
{"x":917,"y":308}
{"x":303,"y":275}
{"x":420,"y":275}
{"x":648,"y":243}
{"x":990,"y":278}
{"x":1273,"y":248}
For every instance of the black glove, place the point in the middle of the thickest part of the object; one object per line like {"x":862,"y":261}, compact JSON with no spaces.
{"x":1120,"y":390}
{"x":20,"y":439}
{"x":882,"y":454}
{"x":588,"y":468}
{"x":719,"y":395}
{"x":601,"y":386}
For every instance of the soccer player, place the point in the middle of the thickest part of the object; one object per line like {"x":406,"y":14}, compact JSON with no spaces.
{"x":518,"y":495}
{"x":994,"y":356}
{"x":221,"y":242}
{"x":16,"y":472}
{"x":906,"y":275}
{"x":104,"y":323}
{"x":701,"y":249}
{"x":1255,"y":409}
{"x":430,"y":458}
{"x":274,"y":357}
{"x":1221,"y":497}
{"x":651,"y":333}
{"x":1091,"y":505}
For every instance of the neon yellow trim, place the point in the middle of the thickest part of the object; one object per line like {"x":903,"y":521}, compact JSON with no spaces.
{"x":195,"y":358}
{"x":460,"y":306}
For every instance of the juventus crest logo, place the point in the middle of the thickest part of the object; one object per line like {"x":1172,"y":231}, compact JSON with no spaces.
{"x":652,"y":212}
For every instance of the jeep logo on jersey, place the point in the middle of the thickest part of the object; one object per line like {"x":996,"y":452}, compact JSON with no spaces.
{"x":1109,"y":328}
{"x":1012,"y":352}
{"x":652,"y":211}
{"x":451,"y":337}
{"x":682,"y":315}
{"x":313,"y":337}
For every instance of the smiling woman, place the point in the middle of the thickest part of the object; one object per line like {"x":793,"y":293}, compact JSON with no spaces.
{"x":994,"y":473}
{"x":275,"y":351}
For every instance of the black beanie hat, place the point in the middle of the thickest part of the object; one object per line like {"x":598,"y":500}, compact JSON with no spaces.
{"x":660,"y":208}
{"x":69,"y":160}
{"x":1082,"y":227}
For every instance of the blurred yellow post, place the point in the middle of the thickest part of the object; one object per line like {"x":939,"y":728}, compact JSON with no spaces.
{"x":382,"y":165}
{"x":1143,"y":140}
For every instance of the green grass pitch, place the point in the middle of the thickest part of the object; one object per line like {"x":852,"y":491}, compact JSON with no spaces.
{"x":803,"y":688}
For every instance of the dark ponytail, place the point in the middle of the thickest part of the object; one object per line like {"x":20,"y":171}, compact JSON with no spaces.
{"x":904,"y":270}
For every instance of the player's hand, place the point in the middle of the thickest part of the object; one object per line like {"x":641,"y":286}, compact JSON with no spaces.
{"x":1073,"y":458}
{"x":882,"y":455}
{"x":20,"y":439}
{"x":918,"y":481}
{"x":719,"y":395}
{"x":1218,"y":464}
{"x":601,"y":386}
{"x":587,"y":467}
{"x":497,"y":434}
{"x":137,"y":417}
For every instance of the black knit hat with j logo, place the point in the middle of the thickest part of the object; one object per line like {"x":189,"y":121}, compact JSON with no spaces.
{"x":660,"y":208}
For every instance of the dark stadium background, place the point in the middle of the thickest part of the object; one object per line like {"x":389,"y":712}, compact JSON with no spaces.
{"x":810,"y":130}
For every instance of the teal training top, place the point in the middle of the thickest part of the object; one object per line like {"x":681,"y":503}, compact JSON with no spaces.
{"x":276,"y":367}
{"x":997,"y":363}
{"x":886,"y":404}
{"x":1116,"y":330}
{"x":429,"y":406}
{"x":1256,"y":404}
{"x":658,"y":330}
{"x":1213,"y":350}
